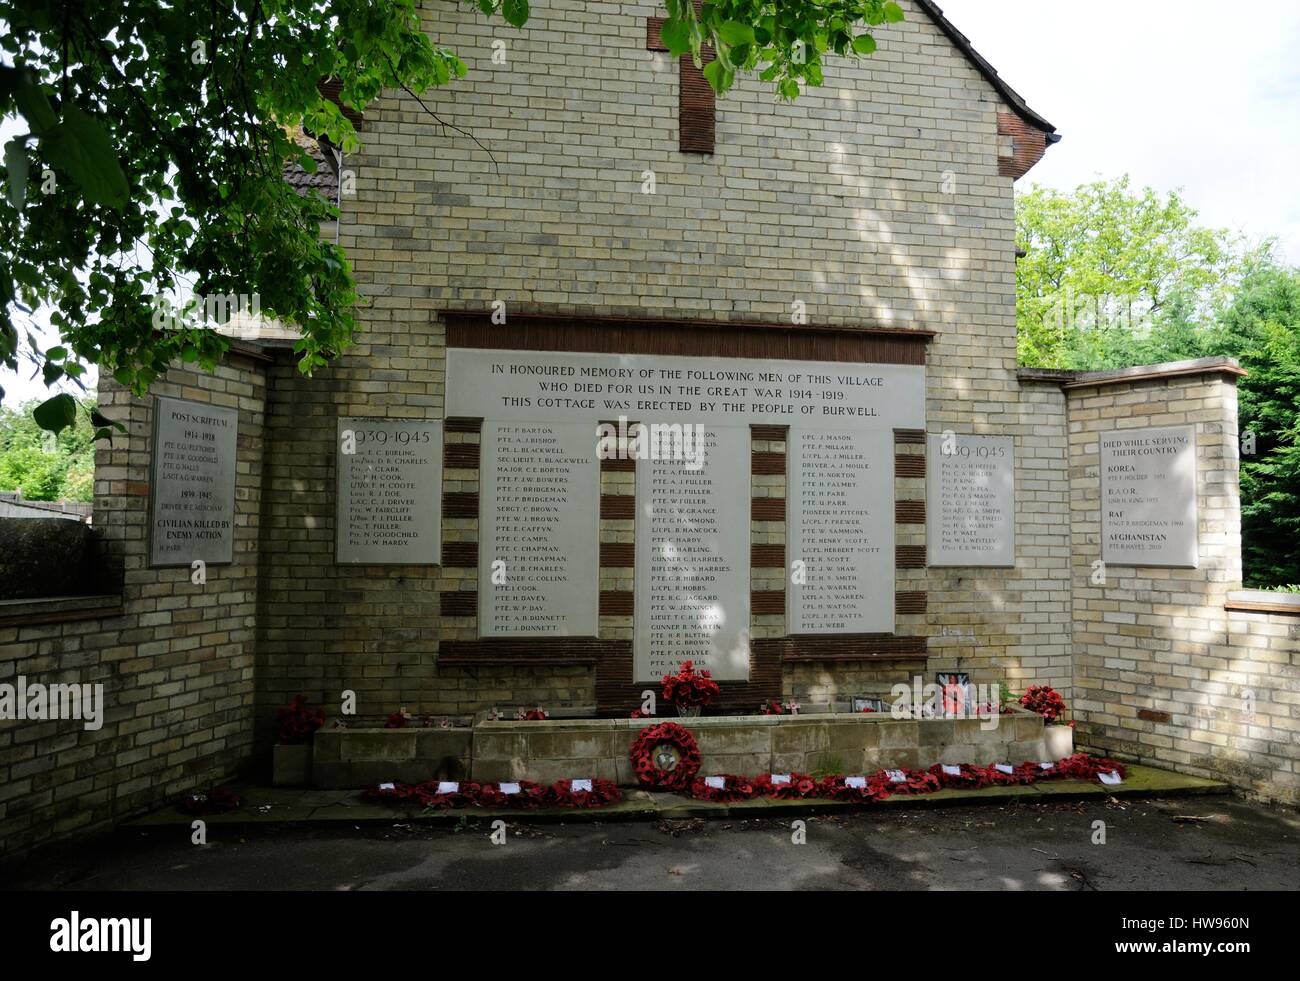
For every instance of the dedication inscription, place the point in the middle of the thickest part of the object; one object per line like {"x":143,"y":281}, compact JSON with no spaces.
{"x":192,"y":497}
{"x":970,"y":500}
{"x":840,"y":516}
{"x":1148,"y":497}
{"x":389,"y":492}
{"x":692,"y":556}
{"x":539,"y":530}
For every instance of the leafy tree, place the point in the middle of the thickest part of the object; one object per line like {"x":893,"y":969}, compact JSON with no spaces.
{"x":48,"y":467}
{"x":155,"y":135}
{"x":1261,"y":329}
{"x":1104,"y":263}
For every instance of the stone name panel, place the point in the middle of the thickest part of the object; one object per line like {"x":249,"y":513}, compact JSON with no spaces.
{"x":192,"y":494}
{"x":840,"y":527}
{"x":1148,"y":497}
{"x":692,"y":556}
{"x":970,"y":500}
{"x":389,"y":492}
{"x":539,"y":530}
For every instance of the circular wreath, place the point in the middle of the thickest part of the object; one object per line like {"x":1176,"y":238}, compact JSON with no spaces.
{"x":665,"y":756}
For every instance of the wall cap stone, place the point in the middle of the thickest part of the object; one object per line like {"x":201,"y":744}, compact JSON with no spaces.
{"x":1145,"y":372}
{"x":1263,"y":601}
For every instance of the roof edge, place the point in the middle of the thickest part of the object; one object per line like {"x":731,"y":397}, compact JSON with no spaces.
{"x":1014,"y":99}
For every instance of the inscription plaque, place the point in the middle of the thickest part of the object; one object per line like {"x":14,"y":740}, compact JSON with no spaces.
{"x":192,"y":496}
{"x":970,"y":500}
{"x":1148,"y":497}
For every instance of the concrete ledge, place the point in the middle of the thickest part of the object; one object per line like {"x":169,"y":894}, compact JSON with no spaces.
{"x":1263,"y":601}
{"x":58,"y":609}
{"x":1146,"y":372}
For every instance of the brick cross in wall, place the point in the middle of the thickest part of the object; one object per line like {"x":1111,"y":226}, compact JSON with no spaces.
{"x":694,"y":96}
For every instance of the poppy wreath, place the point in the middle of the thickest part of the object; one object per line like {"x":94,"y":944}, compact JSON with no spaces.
{"x":1081,"y":766}
{"x":562,"y":794}
{"x":424,"y":795}
{"x":800,"y":787}
{"x":970,"y":777}
{"x":298,"y":722}
{"x":914,"y":782}
{"x":1045,"y":700}
{"x":997,"y":778}
{"x":530,"y":795}
{"x":648,"y":772}
{"x":1031,"y":772}
{"x":733,"y":789}
{"x":835,"y":788}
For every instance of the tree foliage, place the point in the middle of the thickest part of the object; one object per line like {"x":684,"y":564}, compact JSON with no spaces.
{"x":46,"y":466}
{"x":1103,"y":262}
{"x":153,"y":139}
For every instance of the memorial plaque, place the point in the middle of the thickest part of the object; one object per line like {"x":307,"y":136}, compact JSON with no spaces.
{"x":692,"y":556}
{"x":970,"y":500}
{"x":840,"y":526}
{"x":1148,"y":497}
{"x":539,"y":530}
{"x":192,"y":497}
{"x":389,"y":492}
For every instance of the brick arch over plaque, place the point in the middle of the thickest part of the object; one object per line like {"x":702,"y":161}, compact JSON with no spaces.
{"x":611,"y":653}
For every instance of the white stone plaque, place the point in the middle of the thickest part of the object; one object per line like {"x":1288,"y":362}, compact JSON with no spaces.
{"x":840,"y":525}
{"x":692,"y":559}
{"x":970,"y":500}
{"x":389,"y":492}
{"x":192,"y":496}
{"x":530,"y":385}
{"x":1148,"y":497}
{"x":539,"y":530}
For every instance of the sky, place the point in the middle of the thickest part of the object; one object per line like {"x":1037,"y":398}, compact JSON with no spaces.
{"x":1191,"y":94}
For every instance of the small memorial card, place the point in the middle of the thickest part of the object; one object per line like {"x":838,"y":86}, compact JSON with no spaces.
{"x":388,"y":786}
{"x":1003,"y":767}
{"x":577,"y":785}
{"x":1047,"y":766}
{"x":780,"y":778}
{"x":952,"y":771}
{"x":857,"y":783}
{"x":1110,"y":777}
{"x":510,"y":788}
{"x":896,"y":776}
{"x":717,"y":783}
{"x":448,"y":787}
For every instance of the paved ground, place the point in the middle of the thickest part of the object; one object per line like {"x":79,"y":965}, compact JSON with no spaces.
{"x":1020,"y":844}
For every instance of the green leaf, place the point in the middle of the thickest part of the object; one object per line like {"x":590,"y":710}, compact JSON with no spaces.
{"x":16,"y":165}
{"x":57,"y":413}
{"x":864,"y":44}
{"x":676,"y":36}
{"x":515,"y":12}
{"x":35,"y":107}
{"x":716,"y":74}
{"x":104,"y":422}
{"x":80,"y":146}
{"x":734,"y":33}
{"x":893,"y":13}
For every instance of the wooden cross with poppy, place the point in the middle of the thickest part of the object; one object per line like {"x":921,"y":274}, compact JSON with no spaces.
{"x":695,"y":103}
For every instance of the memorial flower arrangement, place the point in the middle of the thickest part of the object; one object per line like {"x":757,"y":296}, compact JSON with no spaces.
{"x":771,"y":707}
{"x":298,"y":723}
{"x":786,"y":786}
{"x":532,"y":715}
{"x":398,"y":720}
{"x":732,"y":789}
{"x":1047,"y":702}
{"x":441,"y":794}
{"x":665,"y":757}
{"x":864,"y":789}
{"x":689,"y":689}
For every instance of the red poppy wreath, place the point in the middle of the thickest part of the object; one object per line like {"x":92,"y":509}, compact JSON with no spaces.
{"x":666,"y":757}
